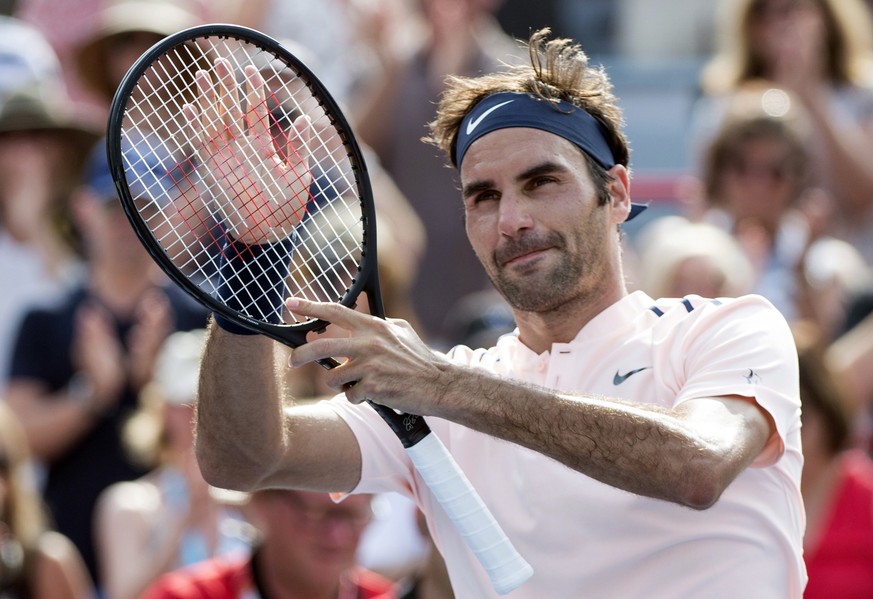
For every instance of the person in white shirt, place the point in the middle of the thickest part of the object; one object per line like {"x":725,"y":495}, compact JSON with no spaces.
{"x":628,"y":446}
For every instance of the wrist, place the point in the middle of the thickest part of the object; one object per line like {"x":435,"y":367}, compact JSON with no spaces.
{"x":253,"y":280}
{"x":230,"y":326}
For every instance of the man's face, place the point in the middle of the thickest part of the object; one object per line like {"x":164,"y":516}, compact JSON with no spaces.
{"x":318,"y":537}
{"x":759,"y":184}
{"x":533,"y":218}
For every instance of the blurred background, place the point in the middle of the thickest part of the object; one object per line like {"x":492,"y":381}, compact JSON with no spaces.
{"x":751,"y":132}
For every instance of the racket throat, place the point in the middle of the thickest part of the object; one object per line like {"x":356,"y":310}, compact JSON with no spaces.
{"x":408,"y":427}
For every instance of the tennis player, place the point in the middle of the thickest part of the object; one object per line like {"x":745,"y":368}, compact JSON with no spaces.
{"x":628,"y":446}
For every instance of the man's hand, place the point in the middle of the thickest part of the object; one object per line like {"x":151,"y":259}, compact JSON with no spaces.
{"x":385,"y":360}
{"x":152,"y":325}
{"x":258,"y":183}
{"x":98,"y":354}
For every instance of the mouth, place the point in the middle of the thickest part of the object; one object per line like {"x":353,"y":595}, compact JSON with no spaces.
{"x":521,"y":258}
{"x":521,"y":252}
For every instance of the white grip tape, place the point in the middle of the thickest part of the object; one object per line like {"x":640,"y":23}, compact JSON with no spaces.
{"x":506,"y":568}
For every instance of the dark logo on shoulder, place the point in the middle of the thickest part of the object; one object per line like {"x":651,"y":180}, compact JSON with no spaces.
{"x":618,"y":379}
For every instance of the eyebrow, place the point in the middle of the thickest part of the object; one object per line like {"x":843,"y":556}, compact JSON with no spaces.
{"x":535,"y":171}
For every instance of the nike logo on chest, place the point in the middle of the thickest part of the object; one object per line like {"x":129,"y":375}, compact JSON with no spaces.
{"x":618,"y":379}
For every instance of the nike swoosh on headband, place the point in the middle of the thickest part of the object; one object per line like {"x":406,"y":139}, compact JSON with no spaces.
{"x":471,"y":126}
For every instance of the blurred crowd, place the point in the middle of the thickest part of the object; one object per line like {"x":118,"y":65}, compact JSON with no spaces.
{"x":100,"y":495}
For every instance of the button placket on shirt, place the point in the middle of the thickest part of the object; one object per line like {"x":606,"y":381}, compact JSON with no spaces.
{"x":561,"y":353}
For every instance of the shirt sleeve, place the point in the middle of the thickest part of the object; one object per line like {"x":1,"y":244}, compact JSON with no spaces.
{"x":745,"y":347}
{"x":385,"y":465}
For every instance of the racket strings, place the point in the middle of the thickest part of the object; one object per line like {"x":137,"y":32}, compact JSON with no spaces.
{"x":189,"y":200}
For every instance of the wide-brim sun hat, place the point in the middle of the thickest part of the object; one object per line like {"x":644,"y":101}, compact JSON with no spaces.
{"x":45,"y":109}
{"x":120,"y":17}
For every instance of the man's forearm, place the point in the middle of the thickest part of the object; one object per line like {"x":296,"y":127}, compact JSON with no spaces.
{"x":240,"y":425}
{"x":643,"y":449}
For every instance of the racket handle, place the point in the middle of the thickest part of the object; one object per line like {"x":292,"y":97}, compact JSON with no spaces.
{"x":505,"y":567}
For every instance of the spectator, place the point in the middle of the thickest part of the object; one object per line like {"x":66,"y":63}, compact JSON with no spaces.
{"x":834,"y":273}
{"x":306,"y":550}
{"x":125,"y":30}
{"x":392,"y":544}
{"x":35,"y":562}
{"x":40,"y":136}
{"x":337,"y":36}
{"x":479,"y":319}
{"x":837,"y":484}
{"x":169,"y":518}
{"x":41,"y":140}
{"x":78,"y":365}
{"x":679,"y":258}
{"x":758,"y":187}
{"x":849,"y":357}
{"x":821,"y":51}
{"x":461,"y":37}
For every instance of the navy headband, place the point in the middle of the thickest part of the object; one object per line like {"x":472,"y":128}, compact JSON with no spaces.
{"x":511,"y":109}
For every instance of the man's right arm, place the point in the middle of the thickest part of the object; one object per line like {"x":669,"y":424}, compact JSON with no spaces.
{"x":250,"y":435}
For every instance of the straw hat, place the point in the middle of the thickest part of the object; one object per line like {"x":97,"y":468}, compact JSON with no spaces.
{"x":160,"y":17}
{"x":43,"y":108}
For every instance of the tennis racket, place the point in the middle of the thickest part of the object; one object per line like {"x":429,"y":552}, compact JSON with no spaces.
{"x":243,"y":180}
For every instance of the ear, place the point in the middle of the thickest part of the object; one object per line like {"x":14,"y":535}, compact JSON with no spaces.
{"x":619,"y":191}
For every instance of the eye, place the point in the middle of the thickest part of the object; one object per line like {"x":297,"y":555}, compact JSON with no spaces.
{"x":537,"y":182}
{"x":485,"y":196}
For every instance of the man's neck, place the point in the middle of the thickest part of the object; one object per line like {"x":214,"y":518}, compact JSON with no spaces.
{"x":539,"y":330}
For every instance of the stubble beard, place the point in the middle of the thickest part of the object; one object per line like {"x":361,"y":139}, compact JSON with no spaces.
{"x":546,"y":291}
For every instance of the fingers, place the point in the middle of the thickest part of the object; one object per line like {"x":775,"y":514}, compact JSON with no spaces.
{"x":257,"y":115}
{"x":217,"y":114}
{"x":297,"y":150}
{"x":228,"y":98}
{"x":209,"y":117}
{"x":194,"y":114}
{"x":333,"y":313}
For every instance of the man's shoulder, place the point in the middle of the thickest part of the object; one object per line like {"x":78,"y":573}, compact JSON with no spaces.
{"x":693,"y":307}
{"x":751,"y":319}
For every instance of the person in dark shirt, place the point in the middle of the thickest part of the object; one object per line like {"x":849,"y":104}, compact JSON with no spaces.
{"x":79,"y":364}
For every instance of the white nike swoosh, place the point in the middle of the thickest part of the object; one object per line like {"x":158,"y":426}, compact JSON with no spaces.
{"x":475,"y":122}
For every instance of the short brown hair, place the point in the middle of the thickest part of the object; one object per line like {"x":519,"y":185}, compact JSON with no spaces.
{"x":738,"y":132}
{"x":559,"y":70}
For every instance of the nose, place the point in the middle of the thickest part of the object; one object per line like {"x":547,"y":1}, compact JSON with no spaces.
{"x":515,"y":214}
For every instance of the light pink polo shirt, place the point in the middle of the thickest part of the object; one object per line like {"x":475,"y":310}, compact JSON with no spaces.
{"x":587,"y":539}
